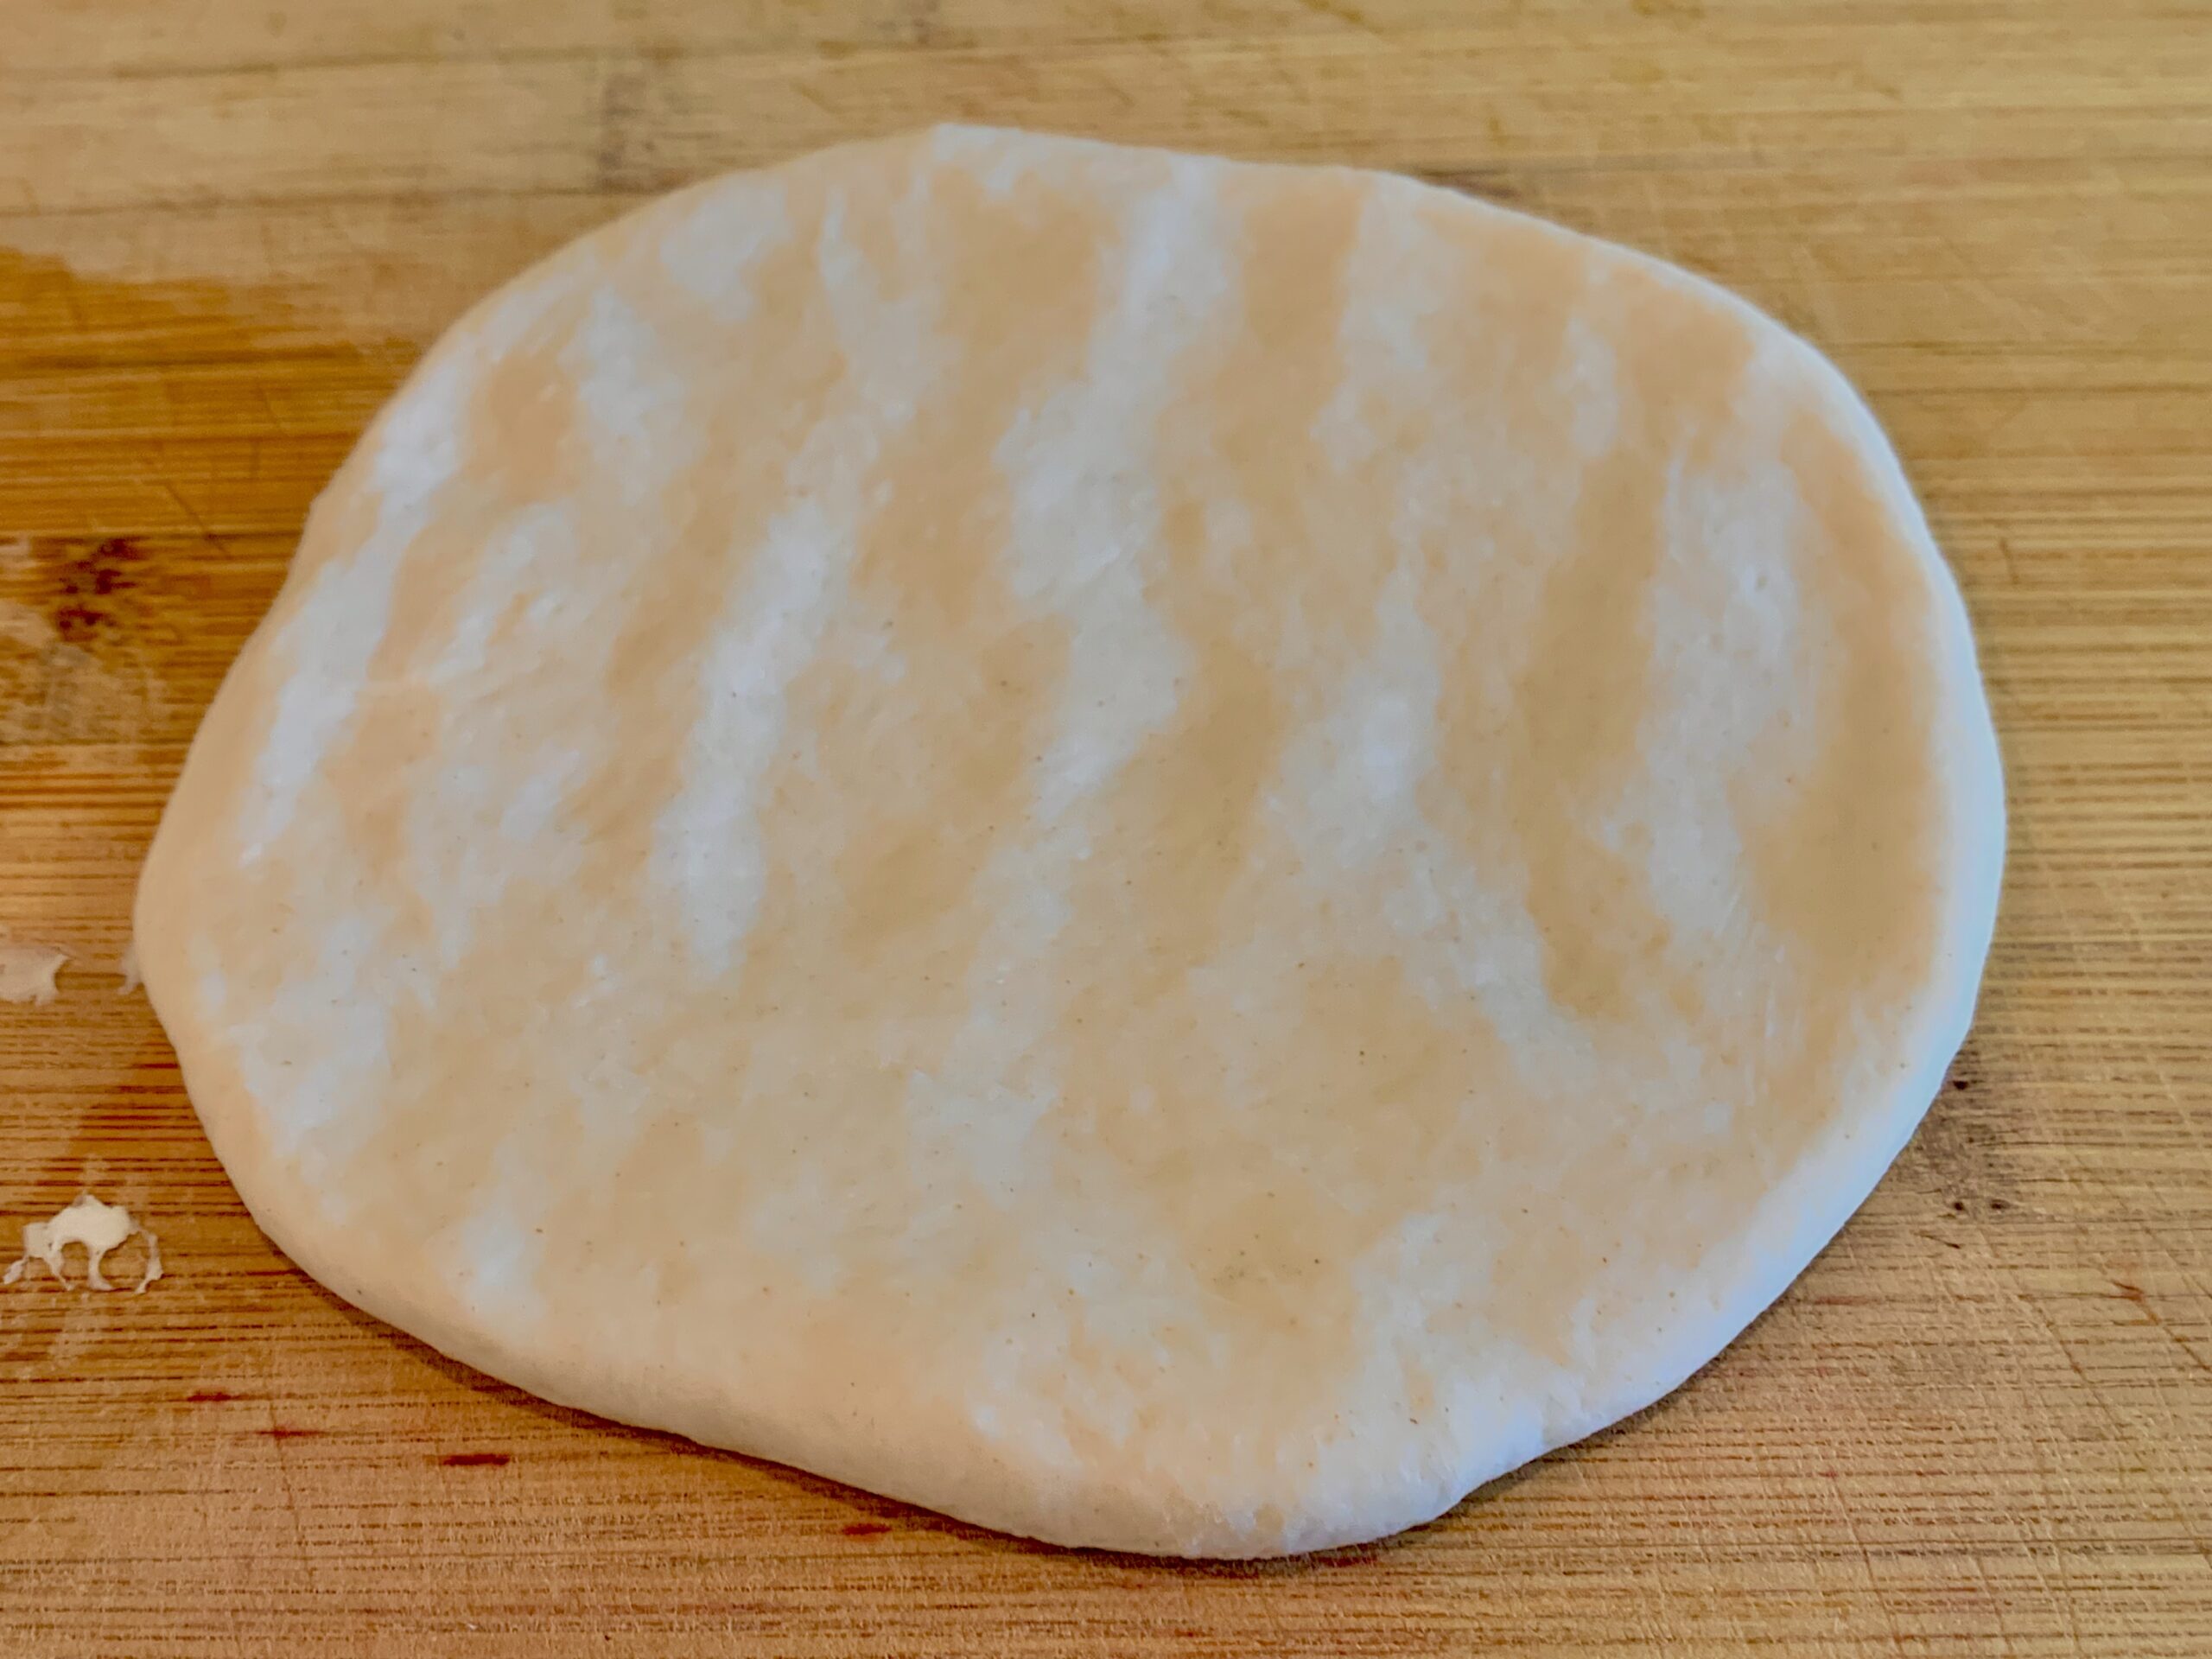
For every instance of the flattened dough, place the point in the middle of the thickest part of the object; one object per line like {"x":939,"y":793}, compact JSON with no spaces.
{"x":1172,"y":854}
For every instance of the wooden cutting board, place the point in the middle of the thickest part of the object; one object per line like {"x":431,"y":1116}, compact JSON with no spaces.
{"x":1981,"y":1423}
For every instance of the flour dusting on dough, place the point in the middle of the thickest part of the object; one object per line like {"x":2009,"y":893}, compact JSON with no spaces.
{"x":1174,"y":855}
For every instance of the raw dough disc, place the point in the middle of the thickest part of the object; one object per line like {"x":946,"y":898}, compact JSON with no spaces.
{"x":1172,"y":854}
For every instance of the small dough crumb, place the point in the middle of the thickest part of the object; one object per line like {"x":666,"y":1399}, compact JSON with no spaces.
{"x":129,"y":969}
{"x":27,"y":971}
{"x":100,"y":1228}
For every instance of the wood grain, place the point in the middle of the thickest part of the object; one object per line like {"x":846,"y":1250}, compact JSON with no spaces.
{"x":1980,"y":1424}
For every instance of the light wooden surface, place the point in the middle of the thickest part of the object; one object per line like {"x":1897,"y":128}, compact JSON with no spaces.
{"x":1982,"y":1423}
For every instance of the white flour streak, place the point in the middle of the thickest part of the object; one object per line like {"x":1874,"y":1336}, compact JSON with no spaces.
{"x":510,"y":760}
{"x":707,"y":852}
{"x":320,"y":1048}
{"x":1456,"y":929}
{"x":632,"y":399}
{"x":331,"y":638}
{"x":1081,"y":471}
{"x":714,"y":250}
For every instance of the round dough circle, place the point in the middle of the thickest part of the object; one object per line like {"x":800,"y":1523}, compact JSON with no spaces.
{"x":1172,"y":854}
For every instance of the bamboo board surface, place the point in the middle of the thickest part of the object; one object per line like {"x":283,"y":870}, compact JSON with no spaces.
{"x":1980,"y":1424}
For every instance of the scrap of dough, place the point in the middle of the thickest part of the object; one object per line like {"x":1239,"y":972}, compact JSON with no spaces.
{"x":1174,"y":854}
{"x":128,"y":968}
{"x":100,"y":1228}
{"x":28,"y":970}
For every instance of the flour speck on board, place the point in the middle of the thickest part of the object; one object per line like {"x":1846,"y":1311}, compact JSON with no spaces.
{"x":28,"y":970}
{"x":100,"y":1228}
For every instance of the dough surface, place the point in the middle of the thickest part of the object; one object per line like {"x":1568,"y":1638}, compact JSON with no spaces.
{"x":1172,"y":854}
